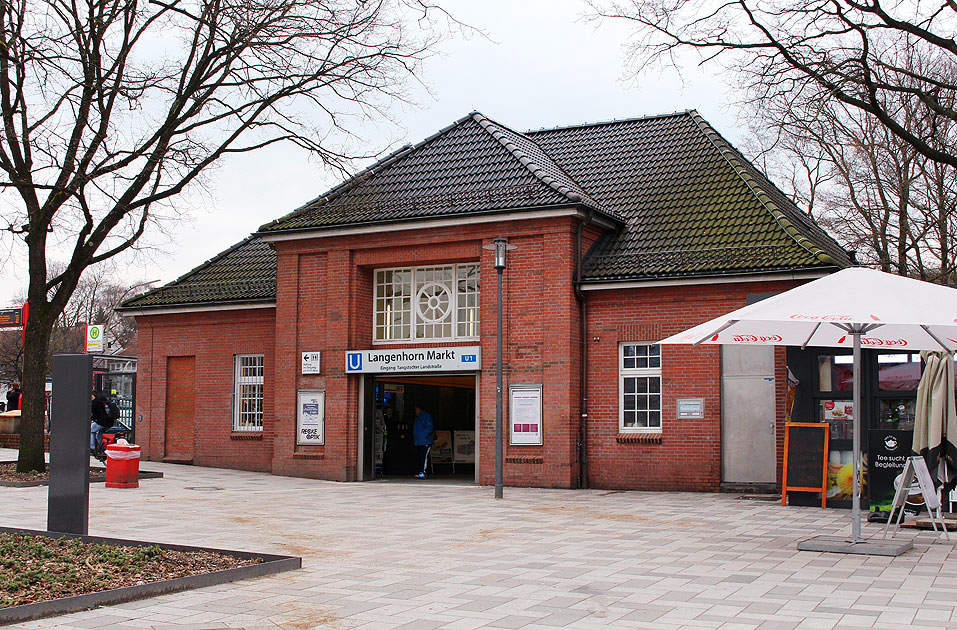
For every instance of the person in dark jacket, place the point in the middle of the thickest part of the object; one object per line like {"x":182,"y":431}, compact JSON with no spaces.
{"x":422,"y":438}
{"x":13,"y":396}
{"x":100,"y":420}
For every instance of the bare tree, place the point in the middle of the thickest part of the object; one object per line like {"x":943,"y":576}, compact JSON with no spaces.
{"x":111,"y":108}
{"x":874,"y":191}
{"x":854,"y":51}
{"x":93,"y":302}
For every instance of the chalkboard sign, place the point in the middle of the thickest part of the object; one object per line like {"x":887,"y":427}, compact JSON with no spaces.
{"x":805,"y":459}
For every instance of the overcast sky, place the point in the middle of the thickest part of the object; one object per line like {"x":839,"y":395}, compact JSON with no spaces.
{"x":541,"y":66}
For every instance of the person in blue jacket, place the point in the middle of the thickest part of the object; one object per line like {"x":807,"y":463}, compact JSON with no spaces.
{"x":422,"y":431}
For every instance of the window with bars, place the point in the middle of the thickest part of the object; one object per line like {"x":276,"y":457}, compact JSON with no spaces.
{"x":639,"y":383}
{"x":248,"y":392}
{"x":427,"y":303}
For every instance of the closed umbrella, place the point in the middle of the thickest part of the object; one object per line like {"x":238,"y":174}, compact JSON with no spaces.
{"x":935,"y":421}
{"x":851,"y":308}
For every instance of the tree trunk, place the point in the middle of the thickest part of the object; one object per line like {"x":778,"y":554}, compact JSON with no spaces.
{"x":36,"y":348}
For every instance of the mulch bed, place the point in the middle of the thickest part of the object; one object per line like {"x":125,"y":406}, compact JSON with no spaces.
{"x":8,"y":472}
{"x":37,"y":568}
{"x":10,"y":477}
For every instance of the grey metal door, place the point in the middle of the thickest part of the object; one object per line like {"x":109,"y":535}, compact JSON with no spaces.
{"x":748,"y":413}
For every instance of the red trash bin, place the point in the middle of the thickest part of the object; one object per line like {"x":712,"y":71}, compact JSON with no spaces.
{"x":123,"y":466}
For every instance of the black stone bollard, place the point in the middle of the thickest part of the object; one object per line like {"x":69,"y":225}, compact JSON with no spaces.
{"x":68,"y":506}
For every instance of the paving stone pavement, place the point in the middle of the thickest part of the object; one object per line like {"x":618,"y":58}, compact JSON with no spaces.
{"x":435,"y":554}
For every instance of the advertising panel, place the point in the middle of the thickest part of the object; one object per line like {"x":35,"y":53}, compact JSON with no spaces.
{"x":840,"y":415}
{"x":442,"y":449}
{"x":887,"y":452}
{"x":310,"y":417}
{"x":464,"y":447}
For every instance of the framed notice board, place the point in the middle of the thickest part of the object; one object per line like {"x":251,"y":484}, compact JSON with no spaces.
{"x":805,"y":459}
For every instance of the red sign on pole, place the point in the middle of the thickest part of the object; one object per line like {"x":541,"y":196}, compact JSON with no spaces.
{"x":24,"y":316}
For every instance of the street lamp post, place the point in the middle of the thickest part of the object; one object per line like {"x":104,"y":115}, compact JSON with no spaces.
{"x":500,"y":246}
{"x":130,"y":289}
{"x":119,"y":302}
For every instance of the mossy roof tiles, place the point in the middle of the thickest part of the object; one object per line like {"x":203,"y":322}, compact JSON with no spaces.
{"x":694,"y":205}
{"x":246,"y":272}
{"x":686,"y":203}
{"x":473,"y":166}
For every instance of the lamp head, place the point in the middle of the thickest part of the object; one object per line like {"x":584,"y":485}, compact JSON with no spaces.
{"x":499,"y":246}
{"x":500,"y":249}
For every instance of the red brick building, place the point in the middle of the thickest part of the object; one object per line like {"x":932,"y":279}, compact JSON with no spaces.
{"x":303,"y":349}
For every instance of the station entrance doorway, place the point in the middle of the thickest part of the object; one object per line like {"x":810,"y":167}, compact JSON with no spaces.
{"x":389,"y":414}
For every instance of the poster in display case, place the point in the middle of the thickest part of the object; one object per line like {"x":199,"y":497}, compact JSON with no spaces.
{"x":840,"y":474}
{"x":840,"y":415}
{"x":525,"y":414}
{"x":310,"y":417}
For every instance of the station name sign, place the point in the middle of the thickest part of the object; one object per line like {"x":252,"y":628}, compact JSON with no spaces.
{"x":449,"y":359}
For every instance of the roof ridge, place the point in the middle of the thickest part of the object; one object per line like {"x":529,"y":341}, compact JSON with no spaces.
{"x":341,"y":188}
{"x":732,"y":156}
{"x":538,"y":170}
{"x":613,"y":121}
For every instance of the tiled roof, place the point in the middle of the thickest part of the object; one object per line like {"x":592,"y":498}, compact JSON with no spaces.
{"x":246,"y":272}
{"x":688,"y":203}
{"x":473,"y":166}
{"x":536,"y":160}
{"x":695,"y":206}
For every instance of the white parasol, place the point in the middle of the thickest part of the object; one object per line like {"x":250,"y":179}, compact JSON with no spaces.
{"x":853,"y":307}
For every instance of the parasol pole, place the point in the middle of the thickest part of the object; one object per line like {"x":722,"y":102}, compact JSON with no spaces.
{"x":857,"y":331}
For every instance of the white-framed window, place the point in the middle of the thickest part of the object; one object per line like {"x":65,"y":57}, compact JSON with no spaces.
{"x":248,"y":392}
{"x":639,"y":387}
{"x":427,"y":303}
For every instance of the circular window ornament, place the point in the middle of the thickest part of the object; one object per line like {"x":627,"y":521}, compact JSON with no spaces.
{"x":434,"y":302}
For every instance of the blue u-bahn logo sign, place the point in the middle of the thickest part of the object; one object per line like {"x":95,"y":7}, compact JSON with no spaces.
{"x":394,"y":360}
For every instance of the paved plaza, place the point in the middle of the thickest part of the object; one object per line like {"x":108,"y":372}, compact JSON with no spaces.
{"x":434,"y":554}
